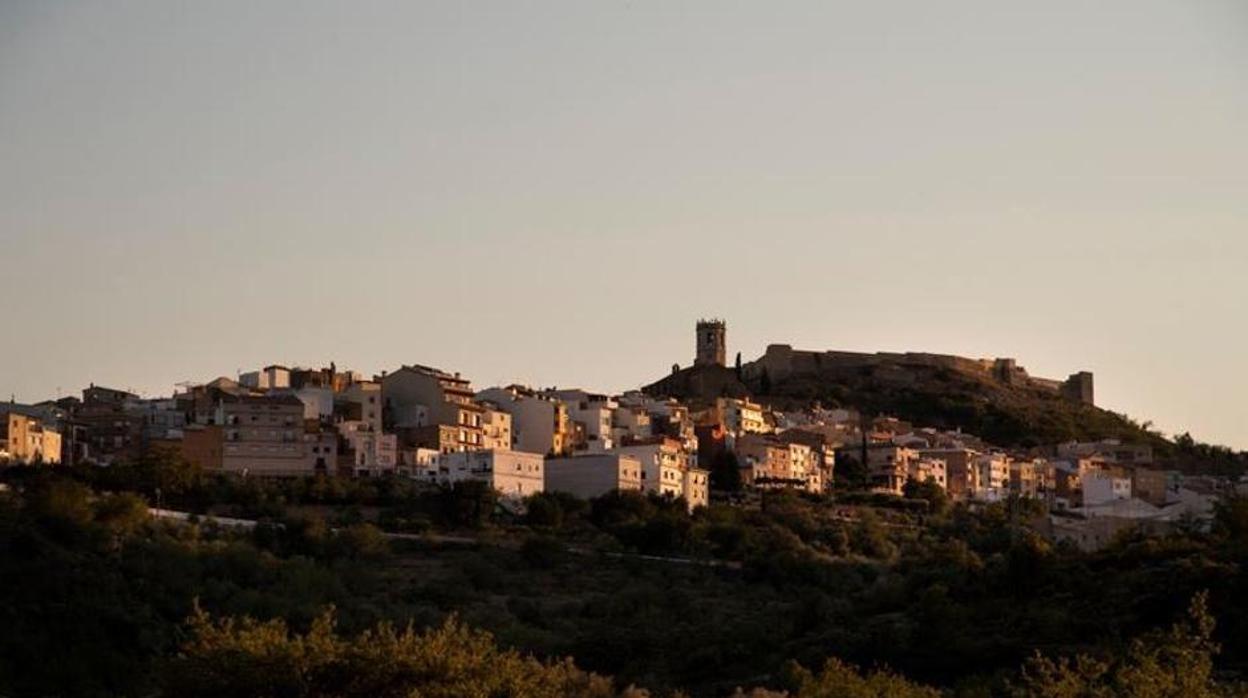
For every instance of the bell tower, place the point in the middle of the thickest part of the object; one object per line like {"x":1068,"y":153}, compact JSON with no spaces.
{"x":712,"y":342}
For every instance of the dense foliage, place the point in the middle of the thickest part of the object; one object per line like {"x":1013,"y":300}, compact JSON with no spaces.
{"x":632,"y":587}
{"x":249,"y":658}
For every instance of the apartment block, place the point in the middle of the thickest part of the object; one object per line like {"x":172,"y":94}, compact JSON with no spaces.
{"x":28,"y":440}
{"x":593,"y":475}
{"x":512,"y":473}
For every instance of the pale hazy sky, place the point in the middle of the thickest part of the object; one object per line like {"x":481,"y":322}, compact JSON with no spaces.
{"x":553,"y":192}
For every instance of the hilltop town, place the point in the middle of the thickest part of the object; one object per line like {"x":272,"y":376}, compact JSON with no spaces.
{"x":706,"y":431}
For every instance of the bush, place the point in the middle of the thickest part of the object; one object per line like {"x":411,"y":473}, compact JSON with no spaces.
{"x":541,"y":552}
{"x":466,"y":504}
{"x":552,"y":509}
{"x":122,"y":514}
{"x":360,"y":541}
{"x":248,"y":658}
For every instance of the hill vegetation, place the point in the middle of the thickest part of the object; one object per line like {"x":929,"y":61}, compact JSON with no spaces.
{"x":638,"y":591}
{"x":1006,"y":415}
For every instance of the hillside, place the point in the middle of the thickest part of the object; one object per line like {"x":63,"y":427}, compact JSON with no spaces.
{"x":944,"y":392}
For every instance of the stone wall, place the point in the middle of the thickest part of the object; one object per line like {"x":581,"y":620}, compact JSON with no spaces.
{"x":781,"y":361}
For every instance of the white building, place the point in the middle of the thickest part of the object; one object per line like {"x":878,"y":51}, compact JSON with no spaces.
{"x":666,"y":469}
{"x":595,"y":414}
{"x":511,"y":473}
{"x":419,"y":463}
{"x":268,"y":378}
{"x":318,"y":402}
{"x":741,"y":416}
{"x":631,"y":424}
{"x":1103,"y":487}
{"x":367,"y":452}
{"x":593,"y":475}
{"x":363,"y":399}
{"x":993,"y":478}
{"x":697,"y":488}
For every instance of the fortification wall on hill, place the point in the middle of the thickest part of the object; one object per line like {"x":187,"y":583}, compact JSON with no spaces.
{"x":781,"y":361}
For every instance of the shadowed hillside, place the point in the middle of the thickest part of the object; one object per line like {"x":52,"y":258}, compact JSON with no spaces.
{"x":916,"y":388}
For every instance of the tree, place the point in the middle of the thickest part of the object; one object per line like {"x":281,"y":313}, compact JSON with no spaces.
{"x":122,"y":514}
{"x":840,"y":680}
{"x":726,"y":472}
{"x":934,"y":494}
{"x":1173,"y":663}
{"x":468,"y":503}
{"x":1231,"y":518}
{"x":61,"y":505}
{"x":245,"y":657}
{"x":551,"y":509}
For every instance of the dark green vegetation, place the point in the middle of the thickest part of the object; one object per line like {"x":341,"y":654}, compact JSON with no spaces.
{"x":947,"y":398}
{"x":98,"y":595}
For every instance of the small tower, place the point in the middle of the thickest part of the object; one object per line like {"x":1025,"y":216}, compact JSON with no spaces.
{"x":712,"y":343}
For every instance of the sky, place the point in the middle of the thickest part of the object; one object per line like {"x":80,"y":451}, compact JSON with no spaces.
{"x":554,"y":192}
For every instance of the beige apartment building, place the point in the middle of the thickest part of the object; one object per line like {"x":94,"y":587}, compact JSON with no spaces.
{"x":741,"y":416}
{"x":26,"y":440}
{"x":1157,"y":487}
{"x":961,"y":470}
{"x":260,"y":436}
{"x":697,"y":488}
{"x":763,"y":460}
{"x":1031,"y":479}
{"x":539,"y":423}
{"x":771,"y":462}
{"x":889,"y":467}
{"x":667,"y":469}
{"x":495,"y":429}
{"x":430,"y":408}
{"x":993,"y":478}
{"x":593,"y":417}
{"x":931,"y":470}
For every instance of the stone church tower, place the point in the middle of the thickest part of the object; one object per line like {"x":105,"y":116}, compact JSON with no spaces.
{"x":712,"y":343}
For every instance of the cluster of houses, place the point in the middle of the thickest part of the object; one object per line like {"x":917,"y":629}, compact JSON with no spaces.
{"x":416,"y":422}
{"x":431,"y":425}
{"x":1092,"y":491}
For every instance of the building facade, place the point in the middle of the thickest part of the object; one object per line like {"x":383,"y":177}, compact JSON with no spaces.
{"x":28,"y":440}
{"x":539,"y":423}
{"x":593,"y":474}
{"x":514,"y":474}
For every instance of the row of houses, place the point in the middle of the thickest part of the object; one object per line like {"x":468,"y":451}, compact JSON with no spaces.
{"x":431,"y":425}
{"x":418,"y":422}
{"x":292,"y":422}
{"x":520,"y":474}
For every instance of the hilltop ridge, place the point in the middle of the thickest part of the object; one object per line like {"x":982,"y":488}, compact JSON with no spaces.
{"x":994,"y":398}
